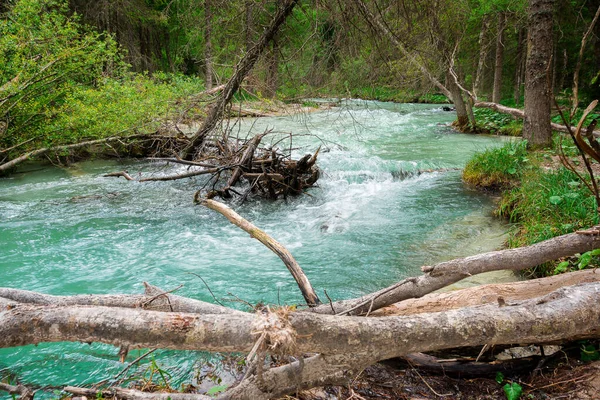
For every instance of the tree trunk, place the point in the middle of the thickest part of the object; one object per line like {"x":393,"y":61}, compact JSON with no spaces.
{"x":487,"y":294}
{"x":462,"y":116}
{"x":208,"y":53}
{"x":483,"y":48}
{"x":242,"y":69}
{"x":497,"y":92}
{"x":519,"y":66}
{"x":343,"y":343}
{"x":536,"y":126}
{"x":273,"y":69}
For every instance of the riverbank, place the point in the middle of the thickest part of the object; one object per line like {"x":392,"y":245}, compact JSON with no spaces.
{"x":540,"y":196}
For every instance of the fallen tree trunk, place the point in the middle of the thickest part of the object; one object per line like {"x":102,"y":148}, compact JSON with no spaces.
{"x":517,"y":113}
{"x":448,"y":272}
{"x":154,"y":299}
{"x":485,"y":294}
{"x":15,"y":161}
{"x":566,"y":314}
{"x":540,"y":320}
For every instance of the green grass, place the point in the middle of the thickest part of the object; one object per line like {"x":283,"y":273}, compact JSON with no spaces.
{"x":499,"y":168}
{"x":542,"y":203}
{"x":547,"y":204}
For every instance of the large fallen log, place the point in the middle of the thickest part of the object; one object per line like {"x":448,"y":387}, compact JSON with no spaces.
{"x":490,"y":293}
{"x":448,"y":272}
{"x":566,"y":314}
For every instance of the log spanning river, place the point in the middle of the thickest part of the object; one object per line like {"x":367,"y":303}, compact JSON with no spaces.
{"x":390,"y":199}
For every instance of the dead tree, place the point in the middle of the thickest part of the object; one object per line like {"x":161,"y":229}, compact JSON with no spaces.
{"x":242,"y":69}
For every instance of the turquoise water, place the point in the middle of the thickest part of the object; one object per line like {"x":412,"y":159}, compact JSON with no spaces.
{"x":367,"y":224}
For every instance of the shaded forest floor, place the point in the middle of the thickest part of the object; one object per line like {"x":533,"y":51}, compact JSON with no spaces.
{"x":568,"y":379}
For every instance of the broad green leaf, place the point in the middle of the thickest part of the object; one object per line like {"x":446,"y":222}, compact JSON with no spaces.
{"x":585,"y":259}
{"x":513,"y":391}
{"x":562,"y":267}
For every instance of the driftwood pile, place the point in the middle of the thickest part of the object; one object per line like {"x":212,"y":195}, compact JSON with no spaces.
{"x":268,"y":172}
{"x":242,"y":168}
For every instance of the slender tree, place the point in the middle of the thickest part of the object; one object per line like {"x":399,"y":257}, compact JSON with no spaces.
{"x":497,"y":93}
{"x":536,"y":125}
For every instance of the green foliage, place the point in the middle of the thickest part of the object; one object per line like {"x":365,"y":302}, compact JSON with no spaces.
{"x":497,"y":168}
{"x":547,"y":204}
{"x":499,"y":378}
{"x":513,"y":391}
{"x":589,"y":352}
{"x":494,"y":122}
{"x":154,"y":374}
{"x":46,"y":56}
{"x":589,"y":259}
{"x":98,"y":112}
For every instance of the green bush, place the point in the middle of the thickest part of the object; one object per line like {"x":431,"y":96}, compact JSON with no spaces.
{"x":497,"y":169}
{"x":494,"y":122}
{"x":99,"y":112}
{"x":45,"y":56}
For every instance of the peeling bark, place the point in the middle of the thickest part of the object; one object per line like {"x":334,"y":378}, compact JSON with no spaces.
{"x":540,"y":320}
{"x":485,"y":294}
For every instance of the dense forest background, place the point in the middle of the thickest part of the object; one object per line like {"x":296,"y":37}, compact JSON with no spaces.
{"x":69,"y":68}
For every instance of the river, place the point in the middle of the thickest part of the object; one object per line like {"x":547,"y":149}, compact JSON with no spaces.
{"x":371,"y":221}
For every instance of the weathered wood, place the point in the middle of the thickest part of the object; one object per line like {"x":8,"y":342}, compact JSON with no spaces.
{"x":485,"y":294}
{"x":254,"y":176}
{"x":344,"y":344}
{"x":292,"y":265}
{"x":131,"y":394}
{"x":23,"y":391}
{"x":448,"y":272}
{"x":34,"y":153}
{"x":215,"y":114}
{"x":245,"y":159}
{"x":539,"y":320}
{"x":154,"y":299}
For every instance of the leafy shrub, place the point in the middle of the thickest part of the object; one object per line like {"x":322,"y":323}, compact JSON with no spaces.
{"x":548,"y":204}
{"x":492,"y":121}
{"x":99,"y":112}
{"x":45,"y":55}
{"x":498,"y":168}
